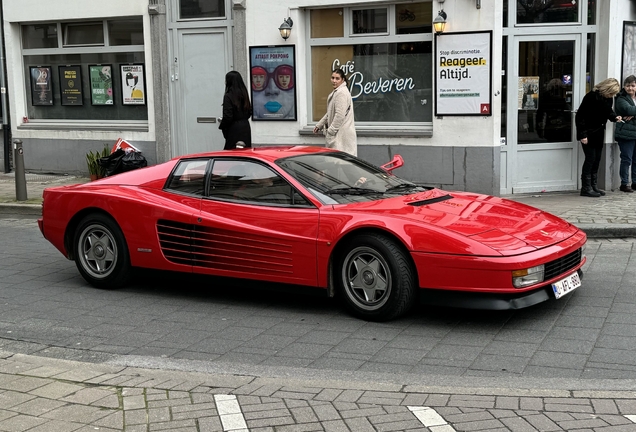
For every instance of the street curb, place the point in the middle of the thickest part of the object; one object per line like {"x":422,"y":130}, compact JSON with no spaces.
{"x":21,"y":209}
{"x":608,"y":230}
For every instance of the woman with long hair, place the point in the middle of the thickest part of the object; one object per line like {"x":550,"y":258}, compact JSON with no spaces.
{"x":237,"y":110}
{"x":337,"y":124}
{"x":591,"y":118}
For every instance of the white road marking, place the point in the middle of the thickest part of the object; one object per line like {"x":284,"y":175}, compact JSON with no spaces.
{"x":631,"y":417}
{"x":430,"y":419}
{"x":230,"y":413}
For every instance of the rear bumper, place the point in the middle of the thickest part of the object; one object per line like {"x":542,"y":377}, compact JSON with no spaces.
{"x":488,"y":301}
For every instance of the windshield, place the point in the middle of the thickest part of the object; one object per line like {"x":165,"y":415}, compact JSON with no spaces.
{"x":339,"y":178}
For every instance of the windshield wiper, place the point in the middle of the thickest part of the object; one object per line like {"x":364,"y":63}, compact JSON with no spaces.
{"x":402,"y":186}
{"x":351,"y":191}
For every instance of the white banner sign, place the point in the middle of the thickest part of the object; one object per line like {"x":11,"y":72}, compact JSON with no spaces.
{"x":463,"y":73}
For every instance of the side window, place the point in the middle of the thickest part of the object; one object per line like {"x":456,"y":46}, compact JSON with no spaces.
{"x":189,"y":177}
{"x":242,"y":180}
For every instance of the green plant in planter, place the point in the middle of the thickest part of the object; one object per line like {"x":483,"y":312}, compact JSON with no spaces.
{"x":92,"y":158}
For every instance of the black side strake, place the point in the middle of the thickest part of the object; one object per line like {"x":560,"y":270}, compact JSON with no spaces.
{"x":431,"y":201}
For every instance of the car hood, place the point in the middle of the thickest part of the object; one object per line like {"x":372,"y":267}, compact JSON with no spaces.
{"x":498,"y":223}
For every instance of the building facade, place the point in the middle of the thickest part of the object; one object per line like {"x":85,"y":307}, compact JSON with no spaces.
{"x":486,"y":106}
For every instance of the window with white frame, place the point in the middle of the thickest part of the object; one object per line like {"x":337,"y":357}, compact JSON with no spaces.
{"x":386,"y":54}
{"x":78,"y":70}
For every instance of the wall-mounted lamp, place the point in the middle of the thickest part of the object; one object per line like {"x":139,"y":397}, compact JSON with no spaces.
{"x":478,"y":4}
{"x":285,"y":28}
{"x":439,"y":23}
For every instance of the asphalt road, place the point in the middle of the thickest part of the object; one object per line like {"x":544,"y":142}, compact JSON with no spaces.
{"x":584,"y":340}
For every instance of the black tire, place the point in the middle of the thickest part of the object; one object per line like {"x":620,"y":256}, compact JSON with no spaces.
{"x":101,"y":253}
{"x":375,"y":278}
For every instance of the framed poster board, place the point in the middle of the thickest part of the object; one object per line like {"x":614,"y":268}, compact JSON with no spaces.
{"x":41,"y":86}
{"x":133,"y":91}
{"x":628,"y":61}
{"x":71,"y":85}
{"x":463,"y":73}
{"x":101,"y":80}
{"x":273,"y":82}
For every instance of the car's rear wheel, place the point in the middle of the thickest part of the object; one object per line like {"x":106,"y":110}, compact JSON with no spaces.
{"x":376,"y":278}
{"x":101,"y":253}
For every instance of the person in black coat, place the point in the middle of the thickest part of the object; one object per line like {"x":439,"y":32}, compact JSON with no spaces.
{"x":237,"y":110}
{"x":591,"y":118}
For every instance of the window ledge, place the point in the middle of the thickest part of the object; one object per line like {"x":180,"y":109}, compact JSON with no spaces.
{"x":383,"y":131}
{"x":84,"y":125}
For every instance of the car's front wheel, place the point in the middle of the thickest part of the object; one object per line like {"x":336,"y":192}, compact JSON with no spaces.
{"x":101,"y":254}
{"x":376,"y":278}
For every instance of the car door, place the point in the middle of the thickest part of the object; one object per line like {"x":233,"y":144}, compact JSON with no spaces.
{"x":255,"y":225}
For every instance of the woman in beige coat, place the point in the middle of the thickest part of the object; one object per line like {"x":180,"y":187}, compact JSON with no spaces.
{"x":337,"y":124}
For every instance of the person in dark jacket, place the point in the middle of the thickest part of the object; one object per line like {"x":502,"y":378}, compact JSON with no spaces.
{"x":237,"y":110}
{"x":625,"y":133}
{"x":591,"y":118}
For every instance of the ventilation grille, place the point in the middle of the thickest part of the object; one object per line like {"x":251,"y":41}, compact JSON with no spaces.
{"x":207,"y":247}
{"x":562,"y":265}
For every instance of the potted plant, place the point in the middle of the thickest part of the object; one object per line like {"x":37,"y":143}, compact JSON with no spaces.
{"x":95,"y":171}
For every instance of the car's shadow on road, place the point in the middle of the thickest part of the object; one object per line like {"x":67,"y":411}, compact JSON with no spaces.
{"x":307,"y":300}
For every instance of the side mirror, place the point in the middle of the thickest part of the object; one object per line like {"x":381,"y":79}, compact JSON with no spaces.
{"x":396,"y":162}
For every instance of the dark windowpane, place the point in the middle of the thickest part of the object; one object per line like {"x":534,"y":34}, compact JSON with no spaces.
{"x":414,"y":18}
{"x":370,"y":21}
{"x":39,"y":36}
{"x":83,"y":33}
{"x":547,"y":11}
{"x":126,"y":32}
{"x":201,"y":9}
{"x":591,"y":12}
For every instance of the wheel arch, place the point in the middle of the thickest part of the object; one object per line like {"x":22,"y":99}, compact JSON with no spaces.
{"x":69,"y":233}
{"x":344,"y":240}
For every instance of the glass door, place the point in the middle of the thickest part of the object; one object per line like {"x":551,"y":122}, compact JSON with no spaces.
{"x":543,"y":93}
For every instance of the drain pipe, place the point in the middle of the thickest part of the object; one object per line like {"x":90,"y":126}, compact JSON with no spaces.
{"x":6,"y":127}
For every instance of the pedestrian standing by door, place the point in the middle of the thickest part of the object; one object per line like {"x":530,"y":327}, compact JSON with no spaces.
{"x":591,"y":118}
{"x":337,"y":124}
{"x":237,"y":110}
{"x":625,"y":133}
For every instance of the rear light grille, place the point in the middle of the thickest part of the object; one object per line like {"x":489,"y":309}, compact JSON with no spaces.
{"x":563,"y":264}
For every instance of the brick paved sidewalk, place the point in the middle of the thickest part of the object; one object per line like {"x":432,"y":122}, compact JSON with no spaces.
{"x":38,"y":394}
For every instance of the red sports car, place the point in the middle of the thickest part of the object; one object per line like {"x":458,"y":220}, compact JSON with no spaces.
{"x":315,"y":217}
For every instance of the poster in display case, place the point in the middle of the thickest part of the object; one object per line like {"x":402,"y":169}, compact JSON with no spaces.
{"x":41,"y":86}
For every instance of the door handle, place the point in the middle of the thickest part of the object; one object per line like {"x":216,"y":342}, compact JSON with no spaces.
{"x":206,"y":119}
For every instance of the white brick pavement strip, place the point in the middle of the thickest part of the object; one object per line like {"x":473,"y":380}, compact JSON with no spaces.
{"x":39,"y":394}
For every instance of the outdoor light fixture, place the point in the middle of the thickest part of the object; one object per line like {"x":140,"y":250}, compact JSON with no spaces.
{"x":478,"y":4}
{"x":285,"y":28}
{"x":439,"y":23}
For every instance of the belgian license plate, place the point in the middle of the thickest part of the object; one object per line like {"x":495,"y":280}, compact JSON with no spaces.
{"x":566,"y":285}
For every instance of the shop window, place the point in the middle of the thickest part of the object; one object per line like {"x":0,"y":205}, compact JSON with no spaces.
{"x":39,"y":36}
{"x":198,"y":9}
{"x":591,"y":12}
{"x":369,"y":21}
{"x":389,"y":82}
{"x":547,"y":11}
{"x":85,"y":79}
{"x":326,"y":23}
{"x":126,"y":32}
{"x":83,"y":34}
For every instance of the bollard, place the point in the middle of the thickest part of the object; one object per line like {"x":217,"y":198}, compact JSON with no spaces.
{"x":20,"y":178}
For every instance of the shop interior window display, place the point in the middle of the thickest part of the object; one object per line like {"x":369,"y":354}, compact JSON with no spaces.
{"x":93,"y":51}
{"x":386,"y":54}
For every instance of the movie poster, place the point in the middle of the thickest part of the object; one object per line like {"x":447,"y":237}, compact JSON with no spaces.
{"x":528,"y":93}
{"x":272,"y":82}
{"x":101,"y":77}
{"x":41,"y":88}
{"x":71,"y":85}
{"x":133,"y":84}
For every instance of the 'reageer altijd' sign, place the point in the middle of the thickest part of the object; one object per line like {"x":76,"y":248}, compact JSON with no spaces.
{"x":463,"y":73}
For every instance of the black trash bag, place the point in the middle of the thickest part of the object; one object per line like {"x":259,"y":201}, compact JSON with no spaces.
{"x":120,"y":161}
{"x":112,"y":163}
{"x":133,"y":160}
